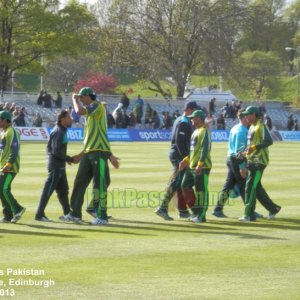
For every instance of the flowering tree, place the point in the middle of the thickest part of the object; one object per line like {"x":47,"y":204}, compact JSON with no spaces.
{"x":100,"y":83}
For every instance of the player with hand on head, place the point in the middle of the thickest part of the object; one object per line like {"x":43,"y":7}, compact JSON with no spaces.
{"x":94,"y":158}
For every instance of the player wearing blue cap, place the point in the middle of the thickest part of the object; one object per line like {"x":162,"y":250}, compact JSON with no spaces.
{"x":180,"y":147}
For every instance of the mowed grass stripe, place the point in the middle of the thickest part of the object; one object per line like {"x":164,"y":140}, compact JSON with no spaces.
{"x":139,"y":255}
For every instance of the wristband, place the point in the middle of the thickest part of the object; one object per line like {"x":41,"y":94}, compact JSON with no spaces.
{"x":186,"y":160}
{"x":253,"y":147}
{"x":8,"y":164}
{"x":200,"y":164}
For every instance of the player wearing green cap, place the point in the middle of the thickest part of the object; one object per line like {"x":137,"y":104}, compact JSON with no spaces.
{"x":259,"y":139}
{"x":93,"y":163}
{"x":9,"y":167}
{"x":197,"y":168}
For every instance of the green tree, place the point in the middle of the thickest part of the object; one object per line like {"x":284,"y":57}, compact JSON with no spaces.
{"x":31,"y":29}
{"x":257,"y":71}
{"x":171,"y":39}
{"x":293,"y":15}
{"x":63,"y":72}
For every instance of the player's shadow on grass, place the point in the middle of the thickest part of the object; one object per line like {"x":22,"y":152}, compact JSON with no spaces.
{"x":278,"y":223}
{"x":294,"y":221}
{"x":194,"y":228}
{"x":45,"y":234}
{"x":81,"y":228}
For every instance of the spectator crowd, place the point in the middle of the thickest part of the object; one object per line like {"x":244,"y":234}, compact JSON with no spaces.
{"x":141,"y":114}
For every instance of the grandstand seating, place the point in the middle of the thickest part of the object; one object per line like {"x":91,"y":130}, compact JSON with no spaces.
{"x":277,"y":111}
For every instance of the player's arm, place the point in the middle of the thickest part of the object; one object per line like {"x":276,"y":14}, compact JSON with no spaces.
{"x":80,"y":110}
{"x":266,"y":140}
{"x":204,"y":145}
{"x":56,"y":148}
{"x":185,"y":162}
{"x":241,"y":145}
{"x":114,"y":161}
{"x":183,"y":139}
{"x":13,"y":143}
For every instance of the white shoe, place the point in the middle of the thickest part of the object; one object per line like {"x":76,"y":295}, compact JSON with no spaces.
{"x":244,"y":219}
{"x":69,"y":218}
{"x":18,"y":216}
{"x":272,"y":216}
{"x":99,"y":221}
{"x":43,"y":219}
{"x":194,"y":220}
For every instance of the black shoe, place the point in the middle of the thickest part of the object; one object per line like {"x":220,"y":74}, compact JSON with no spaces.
{"x":43,"y":219}
{"x":4,"y":220}
{"x":163,"y":214}
{"x":219,"y":214}
{"x":184,"y":214}
{"x":272,"y":215}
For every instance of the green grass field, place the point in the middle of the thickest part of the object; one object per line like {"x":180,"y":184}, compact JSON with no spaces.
{"x":140,"y":256}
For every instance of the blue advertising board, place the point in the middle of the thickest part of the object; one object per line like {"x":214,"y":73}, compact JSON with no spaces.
{"x":219,"y":135}
{"x":150,"y":135}
{"x":290,"y":136}
{"x":141,"y":135}
{"x":119,"y":135}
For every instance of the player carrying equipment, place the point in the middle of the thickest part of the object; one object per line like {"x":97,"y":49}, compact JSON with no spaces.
{"x":197,"y":168}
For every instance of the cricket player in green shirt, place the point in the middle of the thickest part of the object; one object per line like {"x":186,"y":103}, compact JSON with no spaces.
{"x":197,"y":168}
{"x":9,"y":167}
{"x":93,"y":159}
{"x":259,"y":139}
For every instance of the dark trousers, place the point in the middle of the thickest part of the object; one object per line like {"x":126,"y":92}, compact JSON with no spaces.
{"x":174,"y":186}
{"x":254,"y":189}
{"x":233,"y":178}
{"x":201,"y":196}
{"x":56,"y":180}
{"x":93,"y":166}
{"x":9,"y":203}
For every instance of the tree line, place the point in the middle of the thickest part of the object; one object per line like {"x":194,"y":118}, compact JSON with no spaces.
{"x":242,"y":41}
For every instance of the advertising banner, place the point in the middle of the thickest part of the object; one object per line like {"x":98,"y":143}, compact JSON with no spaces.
{"x":33,"y":133}
{"x":140,"y":135}
{"x":219,"y":135}
{"x":150,"y":135}
{"x":119,"y":135}
{"x":290,"y":136}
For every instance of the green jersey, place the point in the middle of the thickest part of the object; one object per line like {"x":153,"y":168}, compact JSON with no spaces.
{"x":200,"y":148}
{"x":95,"y":131}
{"x":259,"y":136}
{"x":10,"y":149}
